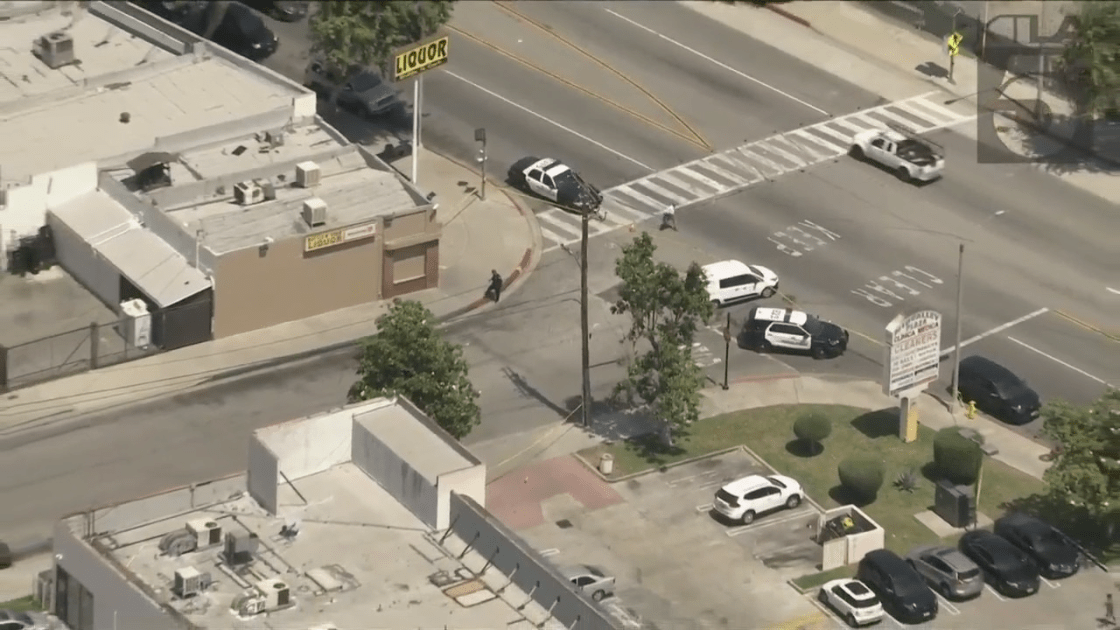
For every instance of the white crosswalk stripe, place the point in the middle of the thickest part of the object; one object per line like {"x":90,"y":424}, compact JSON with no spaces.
{"x":730,"y":171}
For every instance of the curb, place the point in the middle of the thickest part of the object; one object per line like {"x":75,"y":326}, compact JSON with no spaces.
{"x":1114,"y":337}
{"x":642,"y":473}
{"x":789,"y":16}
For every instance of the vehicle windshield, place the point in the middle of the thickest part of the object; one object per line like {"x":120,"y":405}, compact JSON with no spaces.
{"x":813,"y":326}
{"x":1047,"y":540}
{"x":968,"y":574}
{"x":365,"y":81}
{"x":250,"y":24}
{"x":596,"y":571}
{"x":727,"y":497}
{"x":776,"y":482}
{"x":567,"y":178}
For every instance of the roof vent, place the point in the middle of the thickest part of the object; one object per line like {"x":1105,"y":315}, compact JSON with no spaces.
{"x":240,"y":548}
{"x":307,"y":174}
{"x":276,"y":593}
{"x":55,"y":49}
{"x":247,"y":193}
{"x":315,"y":212}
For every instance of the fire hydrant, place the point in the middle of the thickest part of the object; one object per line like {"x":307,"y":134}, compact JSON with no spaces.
{"x":971,"y":413}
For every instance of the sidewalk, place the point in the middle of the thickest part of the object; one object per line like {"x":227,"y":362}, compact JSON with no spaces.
{"x":868,"y":50}
{"x":478,"y":236}
{"x":505,"y":455}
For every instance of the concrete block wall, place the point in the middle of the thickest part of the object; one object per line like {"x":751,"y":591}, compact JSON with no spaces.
{"x":524,"y":566}
{"x":394,"y":474}
{"x":309,"y":446}
{"x":468,"y":482}
{"x":263,"y":475}
{"x":124,"y":516}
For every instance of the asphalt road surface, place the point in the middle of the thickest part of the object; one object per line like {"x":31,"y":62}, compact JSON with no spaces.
{"x":699,"y":86}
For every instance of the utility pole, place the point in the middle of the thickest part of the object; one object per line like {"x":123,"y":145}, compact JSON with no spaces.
{"x":585,"y":333}
{"x":726,"y":351}
{"x":957,"y":348}
{"x":1038,"y":107}
{"x":480,"y":136}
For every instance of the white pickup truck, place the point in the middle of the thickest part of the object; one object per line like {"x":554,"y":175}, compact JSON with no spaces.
{"x":912,"y":158}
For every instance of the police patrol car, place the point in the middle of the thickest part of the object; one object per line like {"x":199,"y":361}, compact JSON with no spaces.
{"x":552,"y":180}
{"x":767,"y":329}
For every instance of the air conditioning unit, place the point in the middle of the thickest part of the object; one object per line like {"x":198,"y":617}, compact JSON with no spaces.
{"x":247,"y":193}
{"x":315,"y":212}
{"x":178,"y":543}
{"x":189,"y":582}
{"x":240,"y":549}
{"x":55,"y":49}
{"x":276,"y":593}
{"x":207,"y":532}
{"x":307,"y":174}
{"x":250,"y":605}
{"x":137,"y":323}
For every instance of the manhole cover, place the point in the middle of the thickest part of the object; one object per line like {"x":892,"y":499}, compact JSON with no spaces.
{"x":564,"y":523}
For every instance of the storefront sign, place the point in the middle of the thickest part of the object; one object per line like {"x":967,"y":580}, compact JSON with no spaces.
{"x":912,"y":356}
{"x":412,"y":61}
{"x":323,"y":240}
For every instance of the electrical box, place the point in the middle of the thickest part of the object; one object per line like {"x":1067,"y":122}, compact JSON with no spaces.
{"x":137,"y":323}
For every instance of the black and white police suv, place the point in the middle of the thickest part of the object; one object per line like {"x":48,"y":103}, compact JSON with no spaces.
{"x":783,"y":328}
{"x":554,"y":181}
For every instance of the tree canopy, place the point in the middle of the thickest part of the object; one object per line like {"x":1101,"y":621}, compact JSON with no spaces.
{"x":666,"y":309}
{"x":1086,"y":469}
{"x":408,"y":357}
{"x":347,"y":33}
{"x":1092,"y":58}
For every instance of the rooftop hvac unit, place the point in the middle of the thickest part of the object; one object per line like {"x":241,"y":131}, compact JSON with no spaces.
{"x":207,"y":533}
{"x":276,"y":593}
{"x":251,"y":603}
{"x":315,"y":212}
{"x":189,"y":582}
{"x":55,"y":49}
{"x":247,"y":193}
{"x":240,"y":548}
{"x":307,"y":174}
{"x":324,"y":626}
{"x":178,"y":543}
{"x":137,"y":323}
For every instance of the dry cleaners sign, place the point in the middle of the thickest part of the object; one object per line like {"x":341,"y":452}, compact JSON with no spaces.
{"x":913,"y":354}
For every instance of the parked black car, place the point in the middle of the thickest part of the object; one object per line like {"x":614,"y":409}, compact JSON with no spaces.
{"x":903,"y":592}
{"x":1053,"y":552}
{"x":283,"y":10}
{"x":1008,"y":570}
{"x":997,"y":391}
{"x":245,"y":33}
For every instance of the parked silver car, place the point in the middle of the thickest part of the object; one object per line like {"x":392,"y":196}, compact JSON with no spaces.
{"x":947,"y":571}
{"x":589,"y":579}
{"x":12,"y":620}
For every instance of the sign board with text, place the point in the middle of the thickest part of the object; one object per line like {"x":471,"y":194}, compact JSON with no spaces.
{"x":912,"y":356}
{"x":417,"y":58}
{"x":333,"y":238}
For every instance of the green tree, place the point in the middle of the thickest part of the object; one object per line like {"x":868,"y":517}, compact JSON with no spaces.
{"x":347,"y":33}
{"x":1086,"y":469}
{"x":407,"y":356}
{"x":957,"y":457}
{"x":811,"y":428}
{"x":1092,"y":58}
{"x":666,"y":309}
{"x":862,"y":476}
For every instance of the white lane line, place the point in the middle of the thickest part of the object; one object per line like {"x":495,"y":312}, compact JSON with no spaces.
{"x":1049,"y":583}
{"x":742,"y":529}
{"x":946,"y":605}
{"x":549,"y":552}
{"x":1060,"y":362}
{"x":995,"y":593}
{"x":719,"y":63}
{"x":550,"y":121}
{"x":1111,"y":290}
{"x":998,"y":329}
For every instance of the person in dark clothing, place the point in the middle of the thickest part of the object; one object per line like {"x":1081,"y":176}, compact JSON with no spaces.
{"x":1109,"y":610}
{"x":495,"y":289}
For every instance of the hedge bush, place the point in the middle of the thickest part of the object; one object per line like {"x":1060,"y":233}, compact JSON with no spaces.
{"x":861,"y":475}
{"x":812,"y":428}
{"x":956,"y":457}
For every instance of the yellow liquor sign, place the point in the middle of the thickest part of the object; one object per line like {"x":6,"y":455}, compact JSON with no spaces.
{"x":420,"y":58}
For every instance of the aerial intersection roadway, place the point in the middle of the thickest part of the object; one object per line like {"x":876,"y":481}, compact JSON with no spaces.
{"x":656,"y":105}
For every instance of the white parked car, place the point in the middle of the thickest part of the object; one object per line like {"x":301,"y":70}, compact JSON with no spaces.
{"x":911,"y":157}
{"x":731,"y":281}
{"x":745,"y":499}
{"x":852,"y":600}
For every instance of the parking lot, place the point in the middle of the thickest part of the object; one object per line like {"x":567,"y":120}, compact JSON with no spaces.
{"x":676,"y":565}
{"x":1075,"y":602}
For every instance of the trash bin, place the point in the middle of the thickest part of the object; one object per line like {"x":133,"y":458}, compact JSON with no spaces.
{"x":606,"y":464}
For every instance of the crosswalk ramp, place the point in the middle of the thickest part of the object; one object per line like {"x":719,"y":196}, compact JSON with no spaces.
{"x":727,"y":172}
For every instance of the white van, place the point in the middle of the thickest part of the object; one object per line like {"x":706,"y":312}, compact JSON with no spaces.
{"x":731,"y":281}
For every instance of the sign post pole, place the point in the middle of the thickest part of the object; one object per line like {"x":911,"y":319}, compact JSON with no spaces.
{"x":410,"y":62}
{"x":957,"y":348}
{"x":415,"y":129}
{"x":911,"y":361}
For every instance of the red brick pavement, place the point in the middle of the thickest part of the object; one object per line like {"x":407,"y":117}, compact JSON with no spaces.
{"x":516,"y":498}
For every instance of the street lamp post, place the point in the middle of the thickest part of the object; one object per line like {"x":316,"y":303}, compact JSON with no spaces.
{"x":480,"y":137}
{"x":585,"y":332}
{"x":957,"y":347}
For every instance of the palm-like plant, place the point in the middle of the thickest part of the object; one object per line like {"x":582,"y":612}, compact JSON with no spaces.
{"x":1092,"y":58}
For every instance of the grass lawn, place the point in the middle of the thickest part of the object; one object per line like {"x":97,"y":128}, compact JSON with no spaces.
{"x":769,"y":433}
{"x":23,"y":604}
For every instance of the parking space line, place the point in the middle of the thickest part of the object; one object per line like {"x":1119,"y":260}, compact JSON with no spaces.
{"x":735,"y":531}
{"x":707,"y":507}
{"x":946,"y":604}
{"x":1060,"y":362}
{"x":711,"y":484}
{"x":1049,"y":583}
{"x":627,"y":619}
{"x":995,"y":593}
{"x":812,"y":595}
{"x":549,"y":552}
{"x":998,"y":329}
{"x":681,"y":480}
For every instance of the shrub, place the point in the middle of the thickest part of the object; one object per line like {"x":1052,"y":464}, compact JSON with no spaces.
{"x":956,"y":457}
{"x":862,"y":475}
{"x":812,"y":428}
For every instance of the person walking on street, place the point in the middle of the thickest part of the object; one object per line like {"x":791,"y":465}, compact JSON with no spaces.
{"x":669,"y":218}
{"x":495,"y":289}
{"x":1109,"y":610}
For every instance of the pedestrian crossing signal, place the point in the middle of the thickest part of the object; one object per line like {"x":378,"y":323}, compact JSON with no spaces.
{"x":954,"y":44}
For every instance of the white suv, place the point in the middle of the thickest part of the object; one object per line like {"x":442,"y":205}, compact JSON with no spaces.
{"x":748,"y":497}
{"x":731,"y":281}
